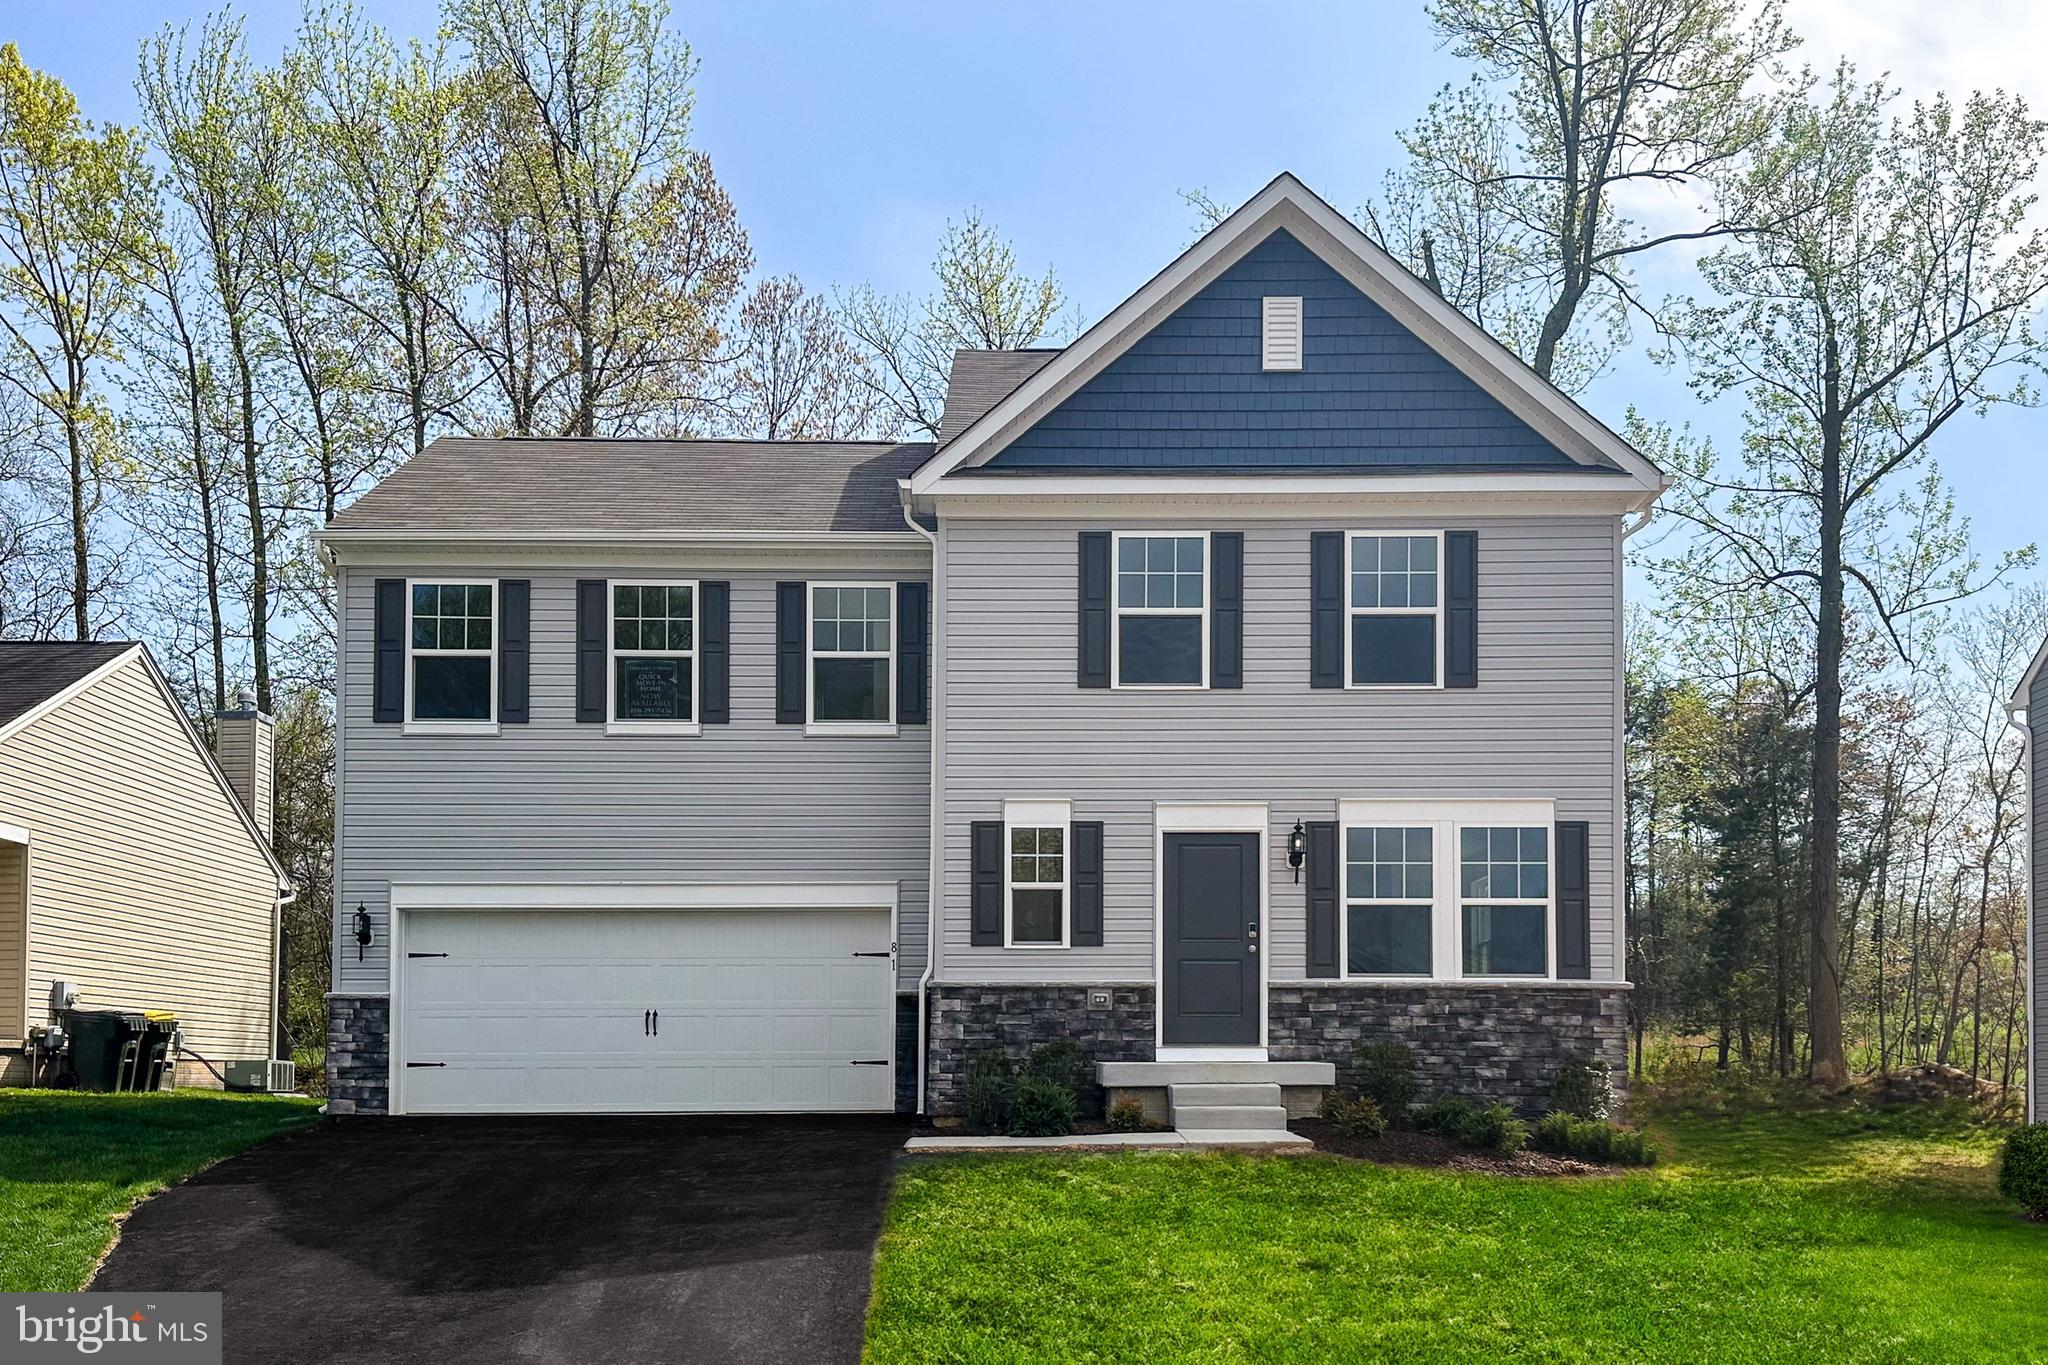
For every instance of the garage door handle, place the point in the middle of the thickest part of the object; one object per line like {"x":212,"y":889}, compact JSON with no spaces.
{"x":881,"y":954}
{"x":657,"y":1023}
{"x":646,"y":1023}
{"x":879,"y":1061}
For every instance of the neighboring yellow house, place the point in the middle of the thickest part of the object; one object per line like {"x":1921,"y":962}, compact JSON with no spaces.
{"x":133,"y":865}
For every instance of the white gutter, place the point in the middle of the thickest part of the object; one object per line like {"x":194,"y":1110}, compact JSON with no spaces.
{"x":2015,"y":713}
{"x":931,"y":888}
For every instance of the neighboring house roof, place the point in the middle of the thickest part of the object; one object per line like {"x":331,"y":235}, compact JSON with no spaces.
{"x":1288,"y":204}
{"x":37,"y":666}
{"x":981,"y":379}
{"x":32,"y":672}
{"x":556,"y":486}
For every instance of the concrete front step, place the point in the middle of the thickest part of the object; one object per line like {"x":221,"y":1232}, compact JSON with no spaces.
{"x":1234,"y":1092}
{"x":1230,"y":1117}
{"x":1131,"y":1075}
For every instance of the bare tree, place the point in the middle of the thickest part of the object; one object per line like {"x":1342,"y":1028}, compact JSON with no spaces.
{"x":798,"y":376}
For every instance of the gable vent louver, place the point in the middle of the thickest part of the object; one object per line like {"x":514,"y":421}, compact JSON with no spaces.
{"x":1280,"y":333}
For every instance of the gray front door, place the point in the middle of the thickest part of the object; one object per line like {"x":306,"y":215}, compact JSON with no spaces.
{"x":1210,"y":956}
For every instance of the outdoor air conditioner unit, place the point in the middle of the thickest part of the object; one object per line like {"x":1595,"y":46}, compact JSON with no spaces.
{"x":273,"y":1075}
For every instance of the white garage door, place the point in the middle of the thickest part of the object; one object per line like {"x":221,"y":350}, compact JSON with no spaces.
{"x":589,"y":1011}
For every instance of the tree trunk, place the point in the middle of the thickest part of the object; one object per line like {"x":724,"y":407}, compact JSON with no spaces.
{"x":259,"y":546}
{"x":1829,"y":1067}
{"x":81,"y":566}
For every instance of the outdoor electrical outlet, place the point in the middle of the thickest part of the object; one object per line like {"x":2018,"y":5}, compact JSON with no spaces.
{"x":1098,"y":1000}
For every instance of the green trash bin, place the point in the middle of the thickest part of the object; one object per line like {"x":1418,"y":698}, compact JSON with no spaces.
{"x":158,"y":1027}
{"x":106,"y":1047}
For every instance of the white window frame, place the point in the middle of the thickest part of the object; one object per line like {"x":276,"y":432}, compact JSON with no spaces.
{"x":814,"y":726}
{"x":1040,"y":814}
{"x":488,"y":725}
{"x":1351,"y":539}
{"x":1446,"y":922}
{"x":1117,"y":611}
{"x":615,"y":724}
{"x":1346,"y":899}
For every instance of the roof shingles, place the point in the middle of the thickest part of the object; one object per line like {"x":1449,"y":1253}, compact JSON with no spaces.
{"x":33,"y":671}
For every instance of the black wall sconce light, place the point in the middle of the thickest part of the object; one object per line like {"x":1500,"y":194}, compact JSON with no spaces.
{"x":1297,"y":848}
{"x":362,"y":921}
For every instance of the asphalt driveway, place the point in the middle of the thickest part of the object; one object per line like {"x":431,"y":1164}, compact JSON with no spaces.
{"x":571,"y":1239}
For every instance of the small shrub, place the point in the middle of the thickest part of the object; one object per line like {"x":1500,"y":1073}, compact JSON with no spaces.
{"x":1583,"y":1089}
{"x":1445,"y":1115}
{"x":1386,"y":1075}
{"x":1493,"y":1128}
{"x":1041,"y":1108}
{"x":991,"y":1088}
{"x":1126,"y":1116}
{"x":1355,"y":1116}
{"x":1061,"y":1062}
{"x":2023,"y":1169}
{"x":1592,"y":1140}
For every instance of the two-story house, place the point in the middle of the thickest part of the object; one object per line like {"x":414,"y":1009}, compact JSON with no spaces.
{"x":1234,"y":684}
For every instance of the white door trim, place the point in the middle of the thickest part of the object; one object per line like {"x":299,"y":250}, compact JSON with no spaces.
{"x":1207,"y":817}
{"x":405,"y":896}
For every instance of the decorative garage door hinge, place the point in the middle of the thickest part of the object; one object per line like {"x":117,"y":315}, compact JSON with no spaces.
{"x":883,"y":953}
{"x":879,"y":1061}
{"x":426,"y":954}
{"x":410,"y":1065}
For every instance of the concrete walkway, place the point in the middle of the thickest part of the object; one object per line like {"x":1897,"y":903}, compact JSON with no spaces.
{"x":1087,"y":1142}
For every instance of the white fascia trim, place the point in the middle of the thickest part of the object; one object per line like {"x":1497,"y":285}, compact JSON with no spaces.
{"x":601,"y":896}
{"x":13,"y":834}
{"x":599,"y":536}
{"x":2026,"y":687}
{"x":1253,"y":496}
{"x":1286,"y":202}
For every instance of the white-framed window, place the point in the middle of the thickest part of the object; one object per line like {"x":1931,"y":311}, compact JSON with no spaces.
{"x":1448,"y":890}
{"x":653,"y":656}
{"x":1394,"y":609}
{"x":451,"y":654}
{"x":852,"y":664}
{"x":1037,"y":881}
{"x":1161,"y":632}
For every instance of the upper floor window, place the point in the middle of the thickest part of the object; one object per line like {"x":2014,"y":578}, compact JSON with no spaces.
{"x":853,"y":645}
{"x":1396,"y":611}
{"x":1162,"y":608}
{"x":451,"y":661}
{"x":654,"y":653}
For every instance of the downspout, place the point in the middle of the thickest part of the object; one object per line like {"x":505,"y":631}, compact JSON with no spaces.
{"x":931,"y":889}
{"x":2015,"y":717}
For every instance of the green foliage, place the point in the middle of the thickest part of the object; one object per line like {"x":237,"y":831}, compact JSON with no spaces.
{"x":1489,"y":1127}
{"x":1563,"y":1134}
{"x":2023,"y":1169}
{"x":1355,"y":1116}
{"x":1386,"y":1075}
{"x":991,"y":1088}
{"x":1126,"y":1116}
{"x":1583,"y":1089}
{"x":1041,"y":1108}
{"x":1061,"y":1062}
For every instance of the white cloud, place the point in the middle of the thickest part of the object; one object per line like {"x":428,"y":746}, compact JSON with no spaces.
{"x":1928,"y":45}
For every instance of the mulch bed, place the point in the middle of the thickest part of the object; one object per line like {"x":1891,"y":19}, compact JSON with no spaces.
{"x":1406,"y":1147}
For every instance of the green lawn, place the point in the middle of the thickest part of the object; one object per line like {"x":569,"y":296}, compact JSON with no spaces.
{"x":70,"y":1164}
{"x":1820,"y":1236}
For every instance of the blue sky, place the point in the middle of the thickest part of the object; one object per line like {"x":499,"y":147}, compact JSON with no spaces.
{"x":847,"y":134}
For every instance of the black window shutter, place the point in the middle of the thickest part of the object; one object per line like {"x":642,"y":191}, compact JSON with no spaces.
{"x":592,"y":596}
{"x":1092,"y":668}
{"x":912,"y":603}
{"x":387,"y":681}
{"x":1322,"y":898}
{"x":1326,"y":609}
{"x":1461,"y":609}
{"x":985,"y":929}
{"x":714,"y":649}
{"x":515,"y":650}
{"x":1226,"y":609}
{"x":1087,"y":884}
{"x":791,"y":697}
{"x":1574,"y":900}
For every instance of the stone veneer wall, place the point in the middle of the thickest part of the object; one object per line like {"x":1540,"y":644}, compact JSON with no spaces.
{"x":1015,"y":1019}
{"x":906,"y":1053}
{"x":1489,"y":1042}
{"x":358,"y":1054}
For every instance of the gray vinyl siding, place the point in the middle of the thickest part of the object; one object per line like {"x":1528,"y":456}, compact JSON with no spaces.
{"x":554,"y":801}
{"x":2037,"y":786}
{"x":1544,"y":722}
